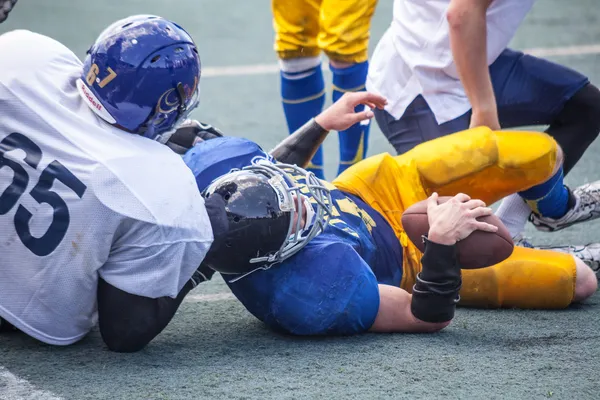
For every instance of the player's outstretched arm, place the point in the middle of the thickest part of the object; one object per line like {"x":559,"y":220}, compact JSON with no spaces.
{"x":299,"y":147}
{"x":128,"y":322}
{"x":436,"y":291}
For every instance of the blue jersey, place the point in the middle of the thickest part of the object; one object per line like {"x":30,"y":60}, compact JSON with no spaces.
{"x":331,"y":285}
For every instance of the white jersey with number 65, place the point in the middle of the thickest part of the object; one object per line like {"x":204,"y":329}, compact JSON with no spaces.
{"x":81,"y":199}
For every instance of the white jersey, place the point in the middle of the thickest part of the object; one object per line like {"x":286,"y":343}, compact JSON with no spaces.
{"x":81,"y":199}
{"x":413,"y":57}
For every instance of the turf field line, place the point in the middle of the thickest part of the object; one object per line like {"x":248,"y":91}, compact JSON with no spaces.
{"x":14,"y":388}
{"x":198,"y":298}
{"x":265,"y":69}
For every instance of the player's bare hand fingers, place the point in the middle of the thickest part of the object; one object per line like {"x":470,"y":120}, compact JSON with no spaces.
{"x":372,"y":106}
{"x":461,"y":197}
{"x":361,"y":116}
{"x":473,"y":204}
{"x":480,"y":212}
{"x":484,"y":226}
{"x":432,"y":202}
{"x":368,"y":97}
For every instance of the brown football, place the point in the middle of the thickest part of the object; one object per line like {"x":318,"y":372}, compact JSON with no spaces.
{"x":478,"y":250}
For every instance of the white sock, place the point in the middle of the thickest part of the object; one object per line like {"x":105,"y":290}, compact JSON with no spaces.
{"x":513,"y":212}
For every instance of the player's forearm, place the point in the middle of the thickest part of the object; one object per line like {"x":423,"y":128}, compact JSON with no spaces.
{"x":129,"y":322}
{"x":395,"y":314}
{"x":468,"y":42}
{"x":432,"y":304}
{"x":300,"y":147}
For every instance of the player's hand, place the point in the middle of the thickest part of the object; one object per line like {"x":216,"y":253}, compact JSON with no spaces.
{"x":485,"y":118}
{"x":341,"y":115}
{"x":456,"y":219}
{"x":189,"y":133}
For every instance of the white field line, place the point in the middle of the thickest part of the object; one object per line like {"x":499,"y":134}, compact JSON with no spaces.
{"x":265,"y":69}
{"x":199,"y":298}
{"x":14,"y":388}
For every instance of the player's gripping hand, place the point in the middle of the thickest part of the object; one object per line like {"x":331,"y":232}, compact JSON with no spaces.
{"x":5,"y":7}
{"x":189,"y":133}
{"x":456,"y":219}
{"x":341,"y":115}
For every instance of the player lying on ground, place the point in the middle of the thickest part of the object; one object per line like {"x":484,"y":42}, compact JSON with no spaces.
{"x":309,"y":257}
{"x":91,"y":230}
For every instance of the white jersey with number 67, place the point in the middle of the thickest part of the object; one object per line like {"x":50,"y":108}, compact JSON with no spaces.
{"x":81,"y":199}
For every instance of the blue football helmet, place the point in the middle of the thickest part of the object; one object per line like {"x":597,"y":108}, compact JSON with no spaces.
{"x":142,"y":75}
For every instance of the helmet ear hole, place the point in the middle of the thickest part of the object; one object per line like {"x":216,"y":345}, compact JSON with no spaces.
{"x":227,"y":196}
{"x":236,"y":219}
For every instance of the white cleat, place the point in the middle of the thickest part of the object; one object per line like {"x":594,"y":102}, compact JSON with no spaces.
{"x":586,"y":208}
{"x":522,"y":241}
{"x":589,"y":254}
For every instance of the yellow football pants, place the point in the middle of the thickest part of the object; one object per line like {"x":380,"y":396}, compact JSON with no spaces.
{"x":339,"y":27}
{"x":485,"y":165}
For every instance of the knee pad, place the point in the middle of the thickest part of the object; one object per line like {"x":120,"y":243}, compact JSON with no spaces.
{"x":450,"y":158}
{"x":485,"y":164}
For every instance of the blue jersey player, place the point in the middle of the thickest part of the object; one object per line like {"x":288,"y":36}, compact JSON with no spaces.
{"x":309,"y":257}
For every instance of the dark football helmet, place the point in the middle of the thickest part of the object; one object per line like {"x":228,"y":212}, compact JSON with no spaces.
{"x":269,"y":217}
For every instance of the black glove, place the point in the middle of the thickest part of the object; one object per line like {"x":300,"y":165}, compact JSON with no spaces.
{"x":203,"y":274}
{"x":190,"y":133}
{"x":5,"y":7}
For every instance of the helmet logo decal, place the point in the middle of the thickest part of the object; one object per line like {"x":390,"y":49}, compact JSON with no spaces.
{"x":92,"y":74}
{"x":170,"y":100}
{"x":164,"y":105}
{"x":93,"y":102}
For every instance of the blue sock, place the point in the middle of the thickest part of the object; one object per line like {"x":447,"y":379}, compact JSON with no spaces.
{"x":354,"y":140}
{"x":303,"y":96}
{"x":549,"y":199}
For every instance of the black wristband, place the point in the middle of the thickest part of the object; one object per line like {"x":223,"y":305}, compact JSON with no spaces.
{"x":437,"y":286}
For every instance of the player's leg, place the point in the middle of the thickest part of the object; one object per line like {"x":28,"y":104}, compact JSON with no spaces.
{"x":529,"y":278}
{"x":296,"y":25}
{"x":533,"y":91}
{"x":484,"y":164}
{"x":344,"y":36}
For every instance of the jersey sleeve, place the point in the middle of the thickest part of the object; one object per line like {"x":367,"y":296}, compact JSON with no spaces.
{"x":327,"y":289}
{"x":150,"y":263}
{"x":164,"y":230}
{"x":210,"y":159}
